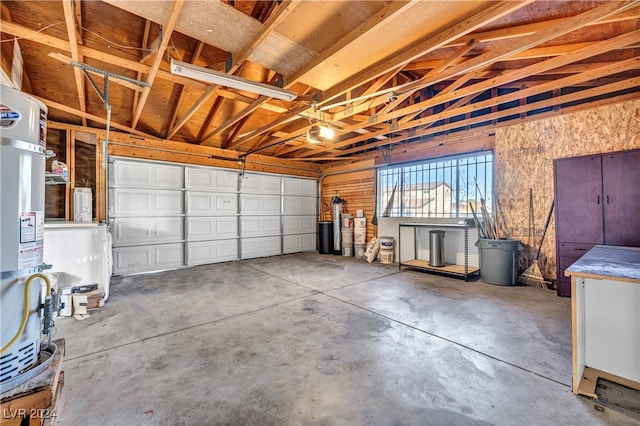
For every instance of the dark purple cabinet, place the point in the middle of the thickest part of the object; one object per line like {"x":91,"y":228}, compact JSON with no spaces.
{"x":621,"y":198}
{"x":597,"y":202}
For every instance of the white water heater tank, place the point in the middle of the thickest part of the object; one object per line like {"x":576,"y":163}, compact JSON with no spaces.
{"x":22,"y":164}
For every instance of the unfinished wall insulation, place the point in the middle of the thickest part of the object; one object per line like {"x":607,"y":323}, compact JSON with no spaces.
{"x":524,"y":156}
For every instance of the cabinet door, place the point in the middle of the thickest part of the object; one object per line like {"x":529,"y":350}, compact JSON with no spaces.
{"x":578,"y":190}
{"x":621,"y":193}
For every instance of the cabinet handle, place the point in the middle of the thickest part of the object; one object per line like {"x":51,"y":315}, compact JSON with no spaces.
{"x":607,"y":199}
{"x":598,"y":198}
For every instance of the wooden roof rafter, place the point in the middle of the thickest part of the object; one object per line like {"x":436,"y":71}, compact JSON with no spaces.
{"x":166,"y":37}
{"x":410,"y":126}
{"x":72,"y":33}
{"x":518,"y":45}
{"x":492,"y":117}
{"x":389,"y":12}
{"x":484,"y":17}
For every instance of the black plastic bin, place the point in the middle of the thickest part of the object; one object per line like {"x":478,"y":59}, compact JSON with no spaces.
{"x":325,"y":237}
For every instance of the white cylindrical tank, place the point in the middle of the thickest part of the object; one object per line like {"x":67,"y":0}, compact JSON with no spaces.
{"x":22,"y":161}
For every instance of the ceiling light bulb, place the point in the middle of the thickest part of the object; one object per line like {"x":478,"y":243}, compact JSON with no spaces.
{"x":326,"y":132}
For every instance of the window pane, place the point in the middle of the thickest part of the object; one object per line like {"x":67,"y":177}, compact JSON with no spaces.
{"x":437,"y":188}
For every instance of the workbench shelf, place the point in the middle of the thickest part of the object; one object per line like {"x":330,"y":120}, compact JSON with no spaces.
{"x":451,"y":269}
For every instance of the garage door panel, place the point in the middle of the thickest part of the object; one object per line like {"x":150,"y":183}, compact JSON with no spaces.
{"x":260,"y":183}
{"x":254,"y":204}
{"x":212,"y":180}
{"x":299,"y":205}
{"x":297,"y":186}
{"x":146,"y":175}
{"x":299,"y":224}
{"x":147,"y":230}
{"x":260,"y":247}
{"x":258,"y":226}
{"x":140,"y":202}
{"x":203,"y":252}
{"x":208,"y":203}
{"x":298,"y":243}
{"x":134,"y":259}
{"x":209,"y":228}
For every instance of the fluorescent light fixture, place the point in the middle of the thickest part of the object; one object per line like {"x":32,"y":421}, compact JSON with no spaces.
{"x":215,"y":77}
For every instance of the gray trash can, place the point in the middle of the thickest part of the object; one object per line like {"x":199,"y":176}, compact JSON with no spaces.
{"x":499,"y":261}
{"x":436,"y":248}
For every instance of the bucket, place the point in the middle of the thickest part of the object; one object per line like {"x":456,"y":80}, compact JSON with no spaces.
{"x":360,"y":223}
{"x":347,"y":251}
{"x":359,"y":250}
{"x":359,"y":235}
{"x":386,"y":256}
{"x":347,"y":236}
{"x":347,"y":220}
{"x":386,"y":243}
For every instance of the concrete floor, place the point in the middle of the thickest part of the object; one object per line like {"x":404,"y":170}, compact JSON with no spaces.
{"x":321,"y":340}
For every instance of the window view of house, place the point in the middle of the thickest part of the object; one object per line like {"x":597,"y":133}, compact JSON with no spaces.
{"x":447,"y":187}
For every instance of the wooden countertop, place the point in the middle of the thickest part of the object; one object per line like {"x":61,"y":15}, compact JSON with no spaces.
{"x":608,"y":262}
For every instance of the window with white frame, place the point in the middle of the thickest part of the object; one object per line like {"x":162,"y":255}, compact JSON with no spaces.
{"x":448,"y":187}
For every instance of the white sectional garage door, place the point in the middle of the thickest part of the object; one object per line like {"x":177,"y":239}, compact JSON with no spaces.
{"x":165,"y":215}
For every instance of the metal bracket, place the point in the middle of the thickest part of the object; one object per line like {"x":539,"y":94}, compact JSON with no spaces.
{"x":104,"y":96}
{"x":228,"y":63}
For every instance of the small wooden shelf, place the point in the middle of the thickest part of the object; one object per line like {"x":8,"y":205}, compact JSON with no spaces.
{"x":449,"y":268}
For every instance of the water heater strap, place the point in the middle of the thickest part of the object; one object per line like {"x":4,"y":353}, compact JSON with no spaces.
{"x":18,"y":144}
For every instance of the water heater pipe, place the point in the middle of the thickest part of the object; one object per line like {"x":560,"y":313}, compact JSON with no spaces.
{"x":25,"y":314}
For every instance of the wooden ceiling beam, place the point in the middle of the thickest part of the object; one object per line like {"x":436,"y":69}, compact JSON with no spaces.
{"x":443,"y":65}
{"x":233,"y":120}
{"x":167,"y":30}
{"x":515,"y":75}
{"x":443,"y":38}
{"x":392,"y":66}
{"x":518,"y":45}
{"x":144,"y":44}
{"x":390,"y":11}
{"x":77,"y":112}
{"x":70,"y":22}
{"x":210,"y":115}
{"x":275,"y":19}
{"x":194,"y":58}
{"x":629,"y":64}
{"x":528,"y":29}
{"x":577,"y":96}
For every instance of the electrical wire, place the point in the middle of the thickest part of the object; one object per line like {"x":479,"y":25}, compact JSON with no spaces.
{"x":38,"y":31}
{"x":109,"y":43}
